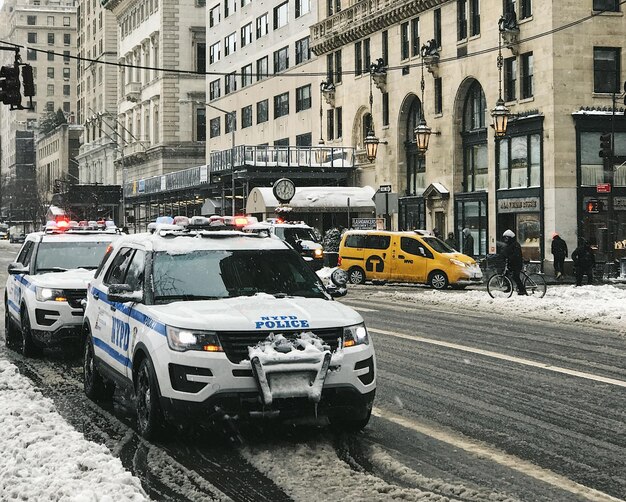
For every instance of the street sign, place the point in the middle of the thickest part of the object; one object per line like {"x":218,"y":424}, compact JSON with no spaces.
{"x":384,"y":189}
{"x":603,"y":188}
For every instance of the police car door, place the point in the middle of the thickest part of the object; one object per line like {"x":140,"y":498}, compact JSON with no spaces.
{"x":19,"y":281}
{"x":131,"y":319}
{"x":111,"y":332}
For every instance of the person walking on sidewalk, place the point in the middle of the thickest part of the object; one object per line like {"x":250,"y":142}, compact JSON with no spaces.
{"x":559,"y":252}
{"x":468,"y":243}
{"x":584,"y":261}
{"x":451,"y":241}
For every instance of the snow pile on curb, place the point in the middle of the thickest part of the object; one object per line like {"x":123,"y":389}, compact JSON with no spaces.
{"x":43,"y":458}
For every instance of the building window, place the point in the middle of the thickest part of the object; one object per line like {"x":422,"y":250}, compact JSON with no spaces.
{"x":67,"y":39}
{"x":230,"y":83}
{"x":31,"y":55}
{"x":200,"y":48}
{"x":66,"y":106}
{"x":385,"y":46}
{"x":437,"y":26}
{"x":519,"y":161}
{"x":66,"y":73}
{"x":262,"y":112}
{"x":66,"y":90}
{"x":50,"y":71}
{"x":510,"y":79}
{"x":66,"y":21}
{"x":246,"y":116}
{"x":31,"y":20}
{"x":281,"y":15}
{"x":461,"y":19}
{"x":304,"y":140}
{"x":199,"y":3}
{"x":50,"y":38}
{"x":214,"y":53}
{"x":474,"y":16}
{"x":302,"y":7}
{"x":49,"y":106}
{"x":214,"y":89}
{"x":230,"y":44}
{"x":333,"y":6}
{"x":334,"y":67}
{"x":281,"y":60}
{"x":330,"y":124}
{"x":261,"y":26}
{"x":245,"y":2}
{"x":32,"y":38}
{"x":475,"y":158}
{"x":230,"y":7}
{"x":246,"y":75}
{"x":230,"y":121}
{"x":66,"y":56}
{"x":415,"y":36}
{"x":200,"y":124}
{"x":527,"y":76}
{"x":262,"y":68}
{"x":526,"y":10}
{"x":606,"y":5}
{"x":303,"y":52}
{"x":358,"y":58}
{"x":281,"y":105}
{"x":214,"y":16}
{"x":246,"y":34}
{"x":50,"y":90}
{"x":438,"y":96}
{"x":50,"y":56}
{"x":303,"y":98}
{"x":214,"y":127}
{"x":404,"y":41}
{"x":606,"y":69}
{"x":339,"y":121}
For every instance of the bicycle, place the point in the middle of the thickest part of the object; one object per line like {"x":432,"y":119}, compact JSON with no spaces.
{"x":500,"y":285}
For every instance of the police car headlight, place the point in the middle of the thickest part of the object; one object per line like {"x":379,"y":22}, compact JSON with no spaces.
{"x":182,"y":340}
{"x":355,"y":335}
{"x":458,"y":263}
{"x":49,"y":294}
{"x":318,"y":253}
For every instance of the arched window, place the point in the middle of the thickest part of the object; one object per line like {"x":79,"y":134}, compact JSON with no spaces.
{"x":475,"y":160}
{"x":415,"y":163}
{"x":475,"y":108}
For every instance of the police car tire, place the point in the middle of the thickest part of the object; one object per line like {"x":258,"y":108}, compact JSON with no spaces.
{"x":438,"y":279}
{"x":28,"y":347}
{"x":149,"y":415}
{"x":350,"y":425}
{"x":356,"y":275}
{"x":11,"y":333}
{"x":94,"y":385}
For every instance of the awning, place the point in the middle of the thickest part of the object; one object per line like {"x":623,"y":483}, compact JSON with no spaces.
{"x":314,"y":200}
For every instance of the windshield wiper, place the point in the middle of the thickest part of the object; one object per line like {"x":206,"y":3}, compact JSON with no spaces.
{"x":52,"y":269}
{"x":186,"y":297}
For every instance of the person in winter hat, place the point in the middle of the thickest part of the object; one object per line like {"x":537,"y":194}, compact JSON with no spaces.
{"x":584,"y":261}
{"x":468,"y":243}
{"x":451,"y":241}
{"x":559,"y":252}
{"x":512,"y":251}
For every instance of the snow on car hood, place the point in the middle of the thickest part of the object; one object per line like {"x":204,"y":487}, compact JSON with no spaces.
{"x":76,"y":278}
{"x":461,"y":257}
{"x":310,"y":244}
{"x":261,"y":312}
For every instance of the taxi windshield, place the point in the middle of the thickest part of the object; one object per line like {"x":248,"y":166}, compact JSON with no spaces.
{"x":60,"y":256}
{"x":438,"y":245}
{"x":212,"y":274}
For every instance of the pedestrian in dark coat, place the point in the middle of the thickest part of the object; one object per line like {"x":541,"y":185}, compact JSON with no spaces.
{"x":584,"y":261}
{"x":468,"y":243}
{"x":512,"y":251}
{"x":559,"y":251}
{"x":451,"y":241}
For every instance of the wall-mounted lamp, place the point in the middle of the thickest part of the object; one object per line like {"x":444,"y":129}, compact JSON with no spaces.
{"x":500,"y":114}
{"x":422,"y":131}
{"x":371,"y":142}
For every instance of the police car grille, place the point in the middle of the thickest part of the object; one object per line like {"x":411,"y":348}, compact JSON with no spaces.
{"x":74,"y":297}
{"x":236,"y":343}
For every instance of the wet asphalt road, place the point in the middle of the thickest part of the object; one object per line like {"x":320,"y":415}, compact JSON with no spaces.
{"x":449,"y":421}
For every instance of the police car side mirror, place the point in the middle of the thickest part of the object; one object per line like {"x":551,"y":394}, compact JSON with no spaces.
{"x":122,"y":293}
{"x":17,"y":268}
{"x":339,"y":278}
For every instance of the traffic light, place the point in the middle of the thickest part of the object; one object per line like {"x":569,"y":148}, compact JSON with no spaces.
{"x":10,"y":86}
{"x":27,"y":80}
{"x":593,"y":206}
{"x":605,"y":145}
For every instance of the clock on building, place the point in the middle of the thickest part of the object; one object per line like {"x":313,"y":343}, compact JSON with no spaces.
{"x":284,"y":189}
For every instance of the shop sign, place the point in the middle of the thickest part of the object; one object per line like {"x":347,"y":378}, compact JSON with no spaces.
{"x":364,"y":223}
{"x":521,"y":205}
{"x":619,"y":203}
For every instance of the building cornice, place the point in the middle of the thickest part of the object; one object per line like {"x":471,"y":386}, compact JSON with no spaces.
{"x":362,"y":19}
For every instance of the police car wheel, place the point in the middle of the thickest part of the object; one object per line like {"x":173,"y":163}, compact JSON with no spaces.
{"x":27,"y":345}
{"x":438,"y":280}
{"x":356,"y":275}
{"x":350,"y":425}
{"x":10,"y":331}
{"x":149,"y":416}
{"x":94,"y":385}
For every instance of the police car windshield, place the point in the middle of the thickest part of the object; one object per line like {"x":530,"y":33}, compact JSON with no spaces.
{"x":211,"y":274}
{"x":296,"y":234}
{"x":60,"y":256}
{"x":438,"y":245}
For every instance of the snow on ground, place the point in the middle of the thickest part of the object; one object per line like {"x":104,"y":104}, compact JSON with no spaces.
{"x":44,"y":458}
{"x":603,"y":305}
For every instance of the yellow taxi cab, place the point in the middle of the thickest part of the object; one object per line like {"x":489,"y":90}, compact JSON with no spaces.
{"x":409,"y":256}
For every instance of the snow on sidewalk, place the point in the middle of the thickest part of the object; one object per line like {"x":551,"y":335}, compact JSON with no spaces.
{"x":43,"y":458}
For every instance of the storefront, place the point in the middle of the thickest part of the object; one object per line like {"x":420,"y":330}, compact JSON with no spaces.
{"x":411,"y":213}
{"x":471,"y":213}
{"x":521,"y":212}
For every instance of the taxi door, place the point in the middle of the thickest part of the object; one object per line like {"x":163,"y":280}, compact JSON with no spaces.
{"x":410,"y":261}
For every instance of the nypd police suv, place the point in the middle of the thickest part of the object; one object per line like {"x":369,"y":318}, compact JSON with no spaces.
{"x":47,"y":285}
{"x":202,"y":324}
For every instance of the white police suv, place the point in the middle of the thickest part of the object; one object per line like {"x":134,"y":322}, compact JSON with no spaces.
{"x":47,"y":286}
{"x":200,"y":324}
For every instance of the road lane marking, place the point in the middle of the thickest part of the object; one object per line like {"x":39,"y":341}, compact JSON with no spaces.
{"x":364,"y":309}
{"x":483,"y":450}
{"x":504,"y":357}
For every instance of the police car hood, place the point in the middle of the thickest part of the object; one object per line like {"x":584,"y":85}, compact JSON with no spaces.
{"x":310,"y":244}
{"x":258,"y":312}
{"x":76,"y":278}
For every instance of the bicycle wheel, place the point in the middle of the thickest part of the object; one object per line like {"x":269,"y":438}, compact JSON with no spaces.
{"x":499,"y":286}
{"x":535,"y":285}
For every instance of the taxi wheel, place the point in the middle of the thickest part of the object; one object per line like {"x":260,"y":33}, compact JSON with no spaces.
{"x":11,"y":333}
{"x":356,"y":275}
{"x":94,"y":385}
{"x":26,"y":344}
{"x":149,"y":415}
{"x":438,"y":280}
